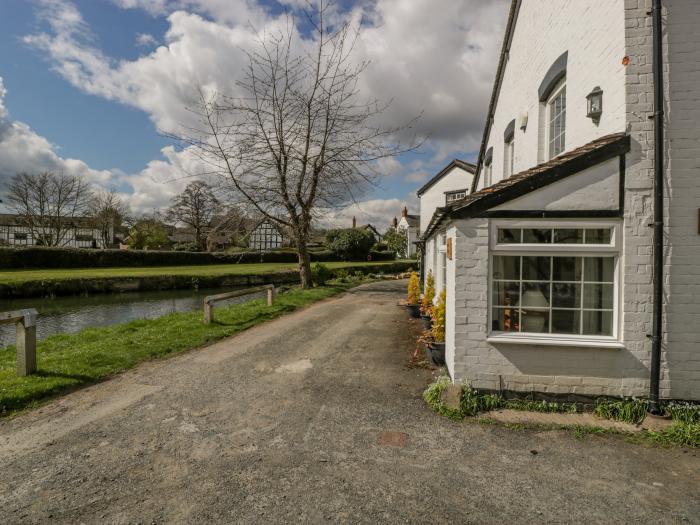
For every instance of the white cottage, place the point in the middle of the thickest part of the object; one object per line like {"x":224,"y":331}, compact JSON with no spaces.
{"x":572,"y":267}
{"x":409,"y":224}
{"x":451,"y":184}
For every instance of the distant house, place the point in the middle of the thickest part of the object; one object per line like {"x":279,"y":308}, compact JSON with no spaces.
{"x":76,"y":232}
{"x":410,"y":225}
{"x":375,"y":233}
{"x":265,"y":235}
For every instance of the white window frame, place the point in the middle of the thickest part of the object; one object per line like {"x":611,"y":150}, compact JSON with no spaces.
{"x":509,"y":158}
{"x":556,"y":92}
{"x":589,"y":250}
{"x":451,"y":196}
{"x":488,"y":171}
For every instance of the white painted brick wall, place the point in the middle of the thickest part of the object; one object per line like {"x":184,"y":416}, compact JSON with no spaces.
{"x":434,"y":197}
{"x":593,"y":371}
{"x":592,"y":31}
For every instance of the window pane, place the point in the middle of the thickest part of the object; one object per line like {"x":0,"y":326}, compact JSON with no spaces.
{"x":566,"y":295}
{"x":506,"y":293}
{"x":599,"y":269}
{"x":505,"y":320}
{"x":597,"y":323}
{"x":566,"y":321}
{"x":535,"y":295}
{"x":535,"y":321}
{"x":597,"y":295}
{"x":566,"y":269}
{"x":506,"y":267}
{"x":599,"y":236}
{"x":536,"y":236}
{"x":536,"y":268}
{"x":509,"y":235}
{"x":568,"y":236}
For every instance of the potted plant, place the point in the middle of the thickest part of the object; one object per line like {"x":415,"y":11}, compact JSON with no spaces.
{"x":413,"y":299}
{"x":437,"y":346}
{"x":426,"y":306}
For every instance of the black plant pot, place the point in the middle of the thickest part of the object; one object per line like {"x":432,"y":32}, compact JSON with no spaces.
{"x":437,"y":353}
{"x":413,"y":310}
{"x":427,"y":321}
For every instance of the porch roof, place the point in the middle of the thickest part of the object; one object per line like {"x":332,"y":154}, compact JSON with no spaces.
{"x":517,"y":185}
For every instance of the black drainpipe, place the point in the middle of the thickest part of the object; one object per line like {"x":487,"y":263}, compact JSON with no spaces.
{"x":658,"y":207}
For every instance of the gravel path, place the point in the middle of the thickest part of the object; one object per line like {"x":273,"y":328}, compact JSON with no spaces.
{"x":315,"y":417}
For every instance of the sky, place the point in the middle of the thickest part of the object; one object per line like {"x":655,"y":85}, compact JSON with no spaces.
{"x":94,"y":87}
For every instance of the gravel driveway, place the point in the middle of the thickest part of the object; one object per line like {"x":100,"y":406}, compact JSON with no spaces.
{"x":315,"y":417}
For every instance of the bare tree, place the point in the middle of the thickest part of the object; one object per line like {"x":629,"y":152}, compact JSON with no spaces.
{"x":300,"y":137}
{"x":108,"y":211}
{"x":46,"y":202}
{"x":195,"y":207}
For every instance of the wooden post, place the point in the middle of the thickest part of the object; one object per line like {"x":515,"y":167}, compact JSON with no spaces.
{"x":208,"y":313}
{"x":26,"y":347}
{"x":270,"y":296}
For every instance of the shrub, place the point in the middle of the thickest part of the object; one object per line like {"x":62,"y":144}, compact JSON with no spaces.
{"x":684,"y":412}
{"x":396,"y":241}
{"x":439,"y":318}
{"x":428,"y":294}
{"x":45,"y":257}
{"x":381,"y":256}
{"x":413,"y":289}
{"x":320,"y":273}
{"x":627,"y":410}
{"x":352,"y":244}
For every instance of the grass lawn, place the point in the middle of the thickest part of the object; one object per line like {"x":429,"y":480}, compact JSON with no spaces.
{"x":212,"y":270}
{"x":67,"y":361}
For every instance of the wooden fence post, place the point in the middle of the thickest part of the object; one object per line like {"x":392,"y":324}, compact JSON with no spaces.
{"x":208,"y":317}
{"x":270,"y":296}
{"x":26,"y":345}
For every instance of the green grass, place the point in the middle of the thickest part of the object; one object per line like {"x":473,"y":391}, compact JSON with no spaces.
{"x":68,"y":361}
{"x":210,"y":270}
{"x":685,"y":430}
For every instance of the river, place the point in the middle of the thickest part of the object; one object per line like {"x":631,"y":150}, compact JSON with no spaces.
{"x":74,"y":313}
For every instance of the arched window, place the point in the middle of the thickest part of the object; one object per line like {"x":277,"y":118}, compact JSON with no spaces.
{"x":556,"y":120}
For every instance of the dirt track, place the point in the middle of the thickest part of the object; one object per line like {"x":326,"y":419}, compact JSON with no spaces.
{"x":315,"y":417}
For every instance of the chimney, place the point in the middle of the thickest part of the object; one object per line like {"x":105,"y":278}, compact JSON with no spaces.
{"x":404,"y":213}
{"x":396,"y":222}
{"x":354,"y":222}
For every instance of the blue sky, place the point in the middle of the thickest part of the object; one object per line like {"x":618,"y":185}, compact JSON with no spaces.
{"x":76,"y":76}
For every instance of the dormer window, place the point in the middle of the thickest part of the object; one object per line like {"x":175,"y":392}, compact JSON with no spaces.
{"x":452,"y":196}
{"x":556,"y":120}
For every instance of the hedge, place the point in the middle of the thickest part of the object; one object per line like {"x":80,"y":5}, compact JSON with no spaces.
{"x":43,"y":257}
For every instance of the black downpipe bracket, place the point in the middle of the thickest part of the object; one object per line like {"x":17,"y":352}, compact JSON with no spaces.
{"x":658,"y":207}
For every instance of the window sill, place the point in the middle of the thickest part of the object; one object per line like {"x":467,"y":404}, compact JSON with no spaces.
{"x":582,"y":342}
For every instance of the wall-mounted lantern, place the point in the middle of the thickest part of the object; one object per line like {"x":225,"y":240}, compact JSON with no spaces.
{"x":595,"y":104}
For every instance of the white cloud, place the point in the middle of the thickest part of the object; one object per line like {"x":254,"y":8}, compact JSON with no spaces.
{"x":23,"y":150}
{"x":435,"y":57}
{"x":377,"y":212}
{"x":146,"y":40}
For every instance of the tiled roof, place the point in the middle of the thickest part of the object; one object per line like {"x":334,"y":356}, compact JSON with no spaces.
{"x":521,"y":183}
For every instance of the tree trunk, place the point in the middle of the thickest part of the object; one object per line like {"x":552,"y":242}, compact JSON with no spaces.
{"x":304,"y":264}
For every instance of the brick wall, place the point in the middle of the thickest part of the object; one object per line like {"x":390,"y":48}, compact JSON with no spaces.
{"x":592,"y":31}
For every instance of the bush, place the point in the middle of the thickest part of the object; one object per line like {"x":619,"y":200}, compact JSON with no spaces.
{"x":320,"y":273}
{"x":428,"y":294}
{"x":439,"y":318}
{"x":413,"y":295}
{"x":352,"y":244}
{"x":381,"y":255}
{"x":44,"y":257}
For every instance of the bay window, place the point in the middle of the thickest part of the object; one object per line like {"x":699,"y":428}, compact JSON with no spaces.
{"x":554,"y":281}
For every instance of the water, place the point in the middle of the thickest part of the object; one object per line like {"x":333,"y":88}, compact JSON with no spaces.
{"x":72,"y":314}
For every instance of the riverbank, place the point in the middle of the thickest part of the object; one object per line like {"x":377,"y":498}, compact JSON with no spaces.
{"x":79,"y":281}
{"x":66,"y":362}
